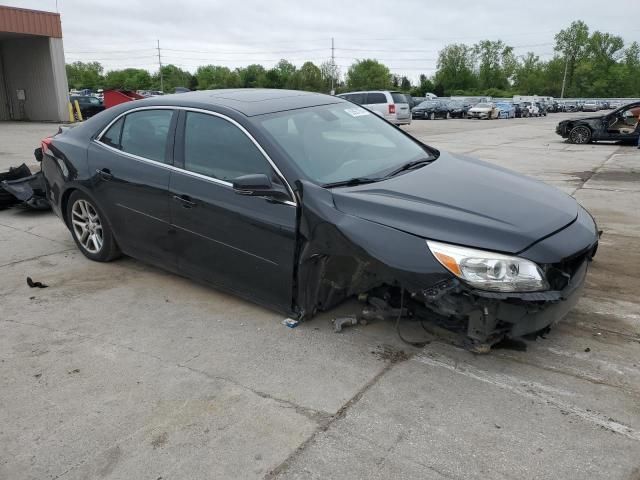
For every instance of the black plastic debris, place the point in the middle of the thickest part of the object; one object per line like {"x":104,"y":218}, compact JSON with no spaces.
{"x":33,"y":284}
{"x":14,"y":173}
{"x":28,"y":190}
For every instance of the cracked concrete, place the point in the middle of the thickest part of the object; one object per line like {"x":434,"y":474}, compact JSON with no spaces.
{"x":124,"y":371}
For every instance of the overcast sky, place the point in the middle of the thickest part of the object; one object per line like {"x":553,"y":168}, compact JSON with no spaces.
{"x":404,"y":34}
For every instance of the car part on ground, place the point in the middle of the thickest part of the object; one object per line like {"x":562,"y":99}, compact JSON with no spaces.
{"x":14,"y":173}
{"x":19,"y":186}
{"x":321,"y":201}
{"x":622,"y":124}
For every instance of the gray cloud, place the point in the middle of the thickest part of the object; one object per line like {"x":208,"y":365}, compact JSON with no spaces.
{"x":404,"y":34}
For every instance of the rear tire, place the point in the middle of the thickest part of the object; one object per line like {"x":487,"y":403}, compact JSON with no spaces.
{"x":90,"y":229}
{"x":580,"y":135}
{"x":432,"y":116}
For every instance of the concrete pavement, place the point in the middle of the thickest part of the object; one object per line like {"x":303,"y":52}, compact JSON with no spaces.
{"x":124,"y":371}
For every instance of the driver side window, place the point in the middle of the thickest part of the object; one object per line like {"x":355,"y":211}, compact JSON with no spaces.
{"x":218,"y":149}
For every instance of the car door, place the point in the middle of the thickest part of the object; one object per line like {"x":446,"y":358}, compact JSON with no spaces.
{"x":130,"y":166}
{"x":243,"y":243}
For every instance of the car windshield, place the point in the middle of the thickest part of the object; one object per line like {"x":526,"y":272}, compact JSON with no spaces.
{"x":339,"y":142}
{"x":483,"y":105}
{"x":428,"y":104}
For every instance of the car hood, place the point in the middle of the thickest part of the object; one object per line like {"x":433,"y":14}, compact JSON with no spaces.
{"x":463,"y":201}
{"x":480,"y":109}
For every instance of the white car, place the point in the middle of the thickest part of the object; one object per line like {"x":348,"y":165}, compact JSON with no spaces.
{"x":487,"y":111}
{"x":392,"y":106}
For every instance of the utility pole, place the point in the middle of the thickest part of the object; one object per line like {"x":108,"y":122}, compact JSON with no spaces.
{"x":333,"y":67}
{"x":564,"y":79}
{"x":160,"y":64}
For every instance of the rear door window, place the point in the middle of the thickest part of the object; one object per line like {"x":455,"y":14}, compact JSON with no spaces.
{"x":218,"y":149}
{"x":145,"y":134}
{"x":358,"y":98}
{"x":376,"y":97}
{"x":113,"y":135}
{"x":398,"y":97}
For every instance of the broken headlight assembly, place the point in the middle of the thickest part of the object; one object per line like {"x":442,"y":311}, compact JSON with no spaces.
{"x":488,"y":270}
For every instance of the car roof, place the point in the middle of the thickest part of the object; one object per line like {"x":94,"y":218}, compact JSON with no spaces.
{"x":248,"y":101}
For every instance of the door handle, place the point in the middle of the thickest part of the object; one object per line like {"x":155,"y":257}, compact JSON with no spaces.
{"x":105,"y":174}
{"x":186,"y":201}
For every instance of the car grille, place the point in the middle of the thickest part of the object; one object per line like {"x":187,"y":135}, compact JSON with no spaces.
{"x":559,"y":274}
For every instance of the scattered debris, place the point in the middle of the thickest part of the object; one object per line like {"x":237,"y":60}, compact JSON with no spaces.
{"x":14,"y":173}
{"x":33,"y":284}
{"x":587,"y":350}
{"x":389,"y":353}
{"x":75,"y":370}
{"x":340,"y":322}
{"x":290,"y":322}
{"x":37,"y":375}
{"x":19,"y":185}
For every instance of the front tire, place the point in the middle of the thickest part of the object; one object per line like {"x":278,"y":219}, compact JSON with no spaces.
{"x":90,"y":229}
{"x":432,"y":116}
{"x":580,"y":135}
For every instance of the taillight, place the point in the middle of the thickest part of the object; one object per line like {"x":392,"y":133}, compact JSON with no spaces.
{"x":392,"y":108}
{"x":44,"y":143}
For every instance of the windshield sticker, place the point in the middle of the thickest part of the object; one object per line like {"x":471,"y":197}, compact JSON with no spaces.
{"x":356,"y":112}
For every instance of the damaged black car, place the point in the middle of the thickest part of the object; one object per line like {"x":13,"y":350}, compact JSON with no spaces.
{"x":622,"y":124}
{"x":299,"y":201}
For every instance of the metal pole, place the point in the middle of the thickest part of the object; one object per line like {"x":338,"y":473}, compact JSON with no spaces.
{"x":564,"y":79}
{"x":160,"y":63}
{"x":333,"y":67}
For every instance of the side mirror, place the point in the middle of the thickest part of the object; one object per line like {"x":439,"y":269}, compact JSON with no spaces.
{"x":258,"y":185}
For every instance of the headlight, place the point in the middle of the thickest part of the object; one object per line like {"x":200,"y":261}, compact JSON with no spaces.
{"x":488,"y":270}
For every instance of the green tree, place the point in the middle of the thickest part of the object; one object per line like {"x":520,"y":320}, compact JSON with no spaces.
{"x":368,"y":75}
{"x":172,"y":77}
{"x":128,"y":79}
{"x":214,"y":76}
{"x":572,"y":43}
{"x":309,"y":78}
{"x":84,"y":75}
{"x":455,"y":68}
{"x":251,"y":76}
{"x":496,"y":64}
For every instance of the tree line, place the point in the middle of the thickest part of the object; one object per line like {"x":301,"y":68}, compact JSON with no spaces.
{"x":585,"y":64}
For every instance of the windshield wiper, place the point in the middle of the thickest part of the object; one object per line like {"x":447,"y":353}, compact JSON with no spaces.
{"x":410,"y":166}
{"x":351,"y":182}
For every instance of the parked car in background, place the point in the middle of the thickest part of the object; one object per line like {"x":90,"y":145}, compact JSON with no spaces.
{"x":430,"y":110}
{"x":518,"y":110}
{"x":390,"y":105}
{"x":299,"y":201}
{"x":486,"y":110}
{"x":530,"y":109}
{"x":89,"y":105}
{"x":621,"y":124}
{"x":506,"y":110}
{"x":542,"y":109}
{"x":458,"y":109}
{"x":571,"y":106}
{"x":590,"y":106}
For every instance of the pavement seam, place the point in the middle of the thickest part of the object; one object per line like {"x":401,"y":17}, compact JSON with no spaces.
{"x":527,"y":389}
{"x":323,"y":427}
{"x":31,"y":233}
{"x":37,"y":257}
{"x":596,"y":170}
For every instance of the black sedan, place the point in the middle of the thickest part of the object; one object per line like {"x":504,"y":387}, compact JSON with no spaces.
{"x":430,"y":110}
{"x":299,"y":201}
{"x":89,"y":106}
{"x":622,"y":124}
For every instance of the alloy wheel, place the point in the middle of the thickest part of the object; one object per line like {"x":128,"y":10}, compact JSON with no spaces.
{"x":580,"y":135}
{"x":87,"y":226}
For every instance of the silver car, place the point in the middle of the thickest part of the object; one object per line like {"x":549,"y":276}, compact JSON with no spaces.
{"x":392,"y":106}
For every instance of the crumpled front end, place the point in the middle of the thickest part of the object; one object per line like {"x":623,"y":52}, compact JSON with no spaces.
{"x":343,"y":256}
